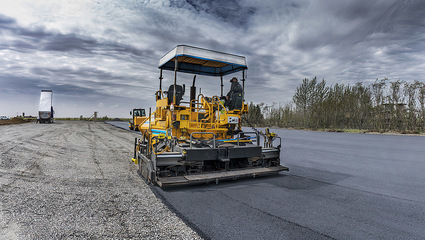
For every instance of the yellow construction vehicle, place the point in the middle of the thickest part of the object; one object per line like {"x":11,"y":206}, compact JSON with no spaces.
{"x":139,"y":115}
{"x":200,"y":140}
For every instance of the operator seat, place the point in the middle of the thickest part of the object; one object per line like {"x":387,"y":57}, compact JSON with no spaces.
{"x":179,"y":94}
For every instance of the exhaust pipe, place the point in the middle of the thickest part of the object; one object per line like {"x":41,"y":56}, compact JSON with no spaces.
{"x":193,"y":94}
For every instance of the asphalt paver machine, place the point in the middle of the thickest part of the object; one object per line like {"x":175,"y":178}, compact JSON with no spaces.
{"x":138,"y":116}
{"x":200,"y":140}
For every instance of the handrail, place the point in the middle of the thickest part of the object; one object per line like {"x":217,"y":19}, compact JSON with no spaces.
{"x":209,"y":111}
{"x":256,"y":137}
{"x":162,"y":93}
{"x":202,"y":133}
{"x":206,"y":103}
{"x":199,"y":96}
{"x":219,"y":103}
{"x":280,"y":141}
{"x":192,"y":109}
{"x":268,"y":144}
{"x":197,"y":109}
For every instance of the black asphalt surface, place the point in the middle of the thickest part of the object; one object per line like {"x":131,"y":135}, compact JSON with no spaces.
{"x":340,"y":186}
{"x":120,"y":124}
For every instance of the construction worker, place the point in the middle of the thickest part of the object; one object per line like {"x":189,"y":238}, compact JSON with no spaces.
{"x":234,"y":96}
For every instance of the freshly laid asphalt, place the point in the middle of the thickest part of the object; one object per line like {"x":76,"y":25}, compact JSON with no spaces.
{"x":340,"y":186}
{"x":123,"y":125}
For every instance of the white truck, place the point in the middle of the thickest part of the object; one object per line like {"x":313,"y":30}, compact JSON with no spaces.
{"x":45,"y":110}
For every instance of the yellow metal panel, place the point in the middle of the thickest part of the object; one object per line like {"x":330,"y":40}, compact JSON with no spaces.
{"x":138,"y":120}
{"x":162,"y":102}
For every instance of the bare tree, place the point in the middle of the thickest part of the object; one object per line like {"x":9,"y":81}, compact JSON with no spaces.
{"x":396,"y":105}
{"x":384,"y":104}
{"x":421,"y":99}
{"x":410,"y":93}
{"x":378,"y":98}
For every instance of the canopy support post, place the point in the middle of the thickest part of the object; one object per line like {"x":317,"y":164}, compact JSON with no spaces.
{"x":243,"y":85}
{"x":221,"y":78}
{"x":175,"y":79}
{"x":160,"y":80}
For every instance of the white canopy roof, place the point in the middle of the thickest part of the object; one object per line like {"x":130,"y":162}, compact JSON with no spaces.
{"x":202,"y":61}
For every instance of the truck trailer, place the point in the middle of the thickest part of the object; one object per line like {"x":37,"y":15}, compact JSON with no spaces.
{"x":45,"y":109}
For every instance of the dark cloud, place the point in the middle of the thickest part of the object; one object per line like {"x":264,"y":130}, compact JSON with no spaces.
{"x":346,"y":23}
{"x":91,"y":78}
{"x":401,"y":17}
{"x":31,"y":86}
{"x":82,"y":73}
{"x":10,"y":24}
{"x":6,"y":21}
{"x":69,"y":42}
{"x":39,"y":39}
{"x":229,"y":11}
{"x":114,"y":51}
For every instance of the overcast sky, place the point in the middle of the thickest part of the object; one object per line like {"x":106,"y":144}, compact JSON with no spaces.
{"x":103,"y":55}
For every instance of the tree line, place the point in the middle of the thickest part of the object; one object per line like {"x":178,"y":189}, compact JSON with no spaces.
{"x":380,"y":106}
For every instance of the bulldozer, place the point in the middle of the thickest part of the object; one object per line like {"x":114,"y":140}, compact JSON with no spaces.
{"x":139,"y":115}
{"x":200,"y":139}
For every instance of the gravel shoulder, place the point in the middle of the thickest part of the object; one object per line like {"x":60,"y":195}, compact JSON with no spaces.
{"x":75,"y":180}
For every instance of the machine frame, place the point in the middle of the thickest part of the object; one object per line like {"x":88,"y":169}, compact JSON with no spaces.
{"x":201,"y":140}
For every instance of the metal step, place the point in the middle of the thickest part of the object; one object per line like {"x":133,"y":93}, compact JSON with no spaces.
{"x":218,"y":176}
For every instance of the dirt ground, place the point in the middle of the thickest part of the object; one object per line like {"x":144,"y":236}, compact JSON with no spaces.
{"x":15,"y":120}
{"x":75,"y":180}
